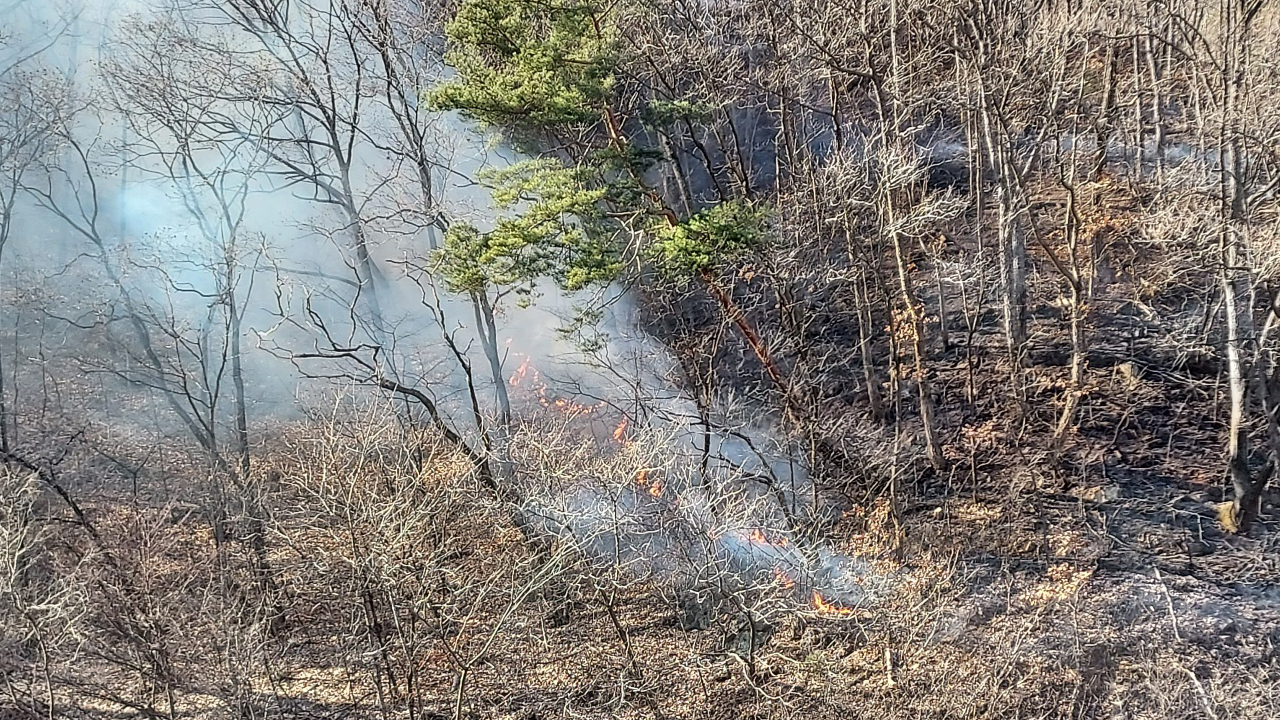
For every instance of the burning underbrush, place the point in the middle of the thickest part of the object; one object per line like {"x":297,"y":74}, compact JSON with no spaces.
{"x":718,"y":518}
{"x":643,"y":509}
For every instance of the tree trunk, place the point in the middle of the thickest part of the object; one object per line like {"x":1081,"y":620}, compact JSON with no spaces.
{"x":488,"y":331}
{"x":1236,"y":277}
{"x":1013,"y":276}
{"x":1079,"y":345}
{"x":1013,"y":242}
{"x":874,"y":399}
{"x":754,"y":341}
{"x":915,"y":320}
{"x":1244,"y":505}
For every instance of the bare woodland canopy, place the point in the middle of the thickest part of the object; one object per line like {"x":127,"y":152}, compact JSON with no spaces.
{"x":561,"y":358}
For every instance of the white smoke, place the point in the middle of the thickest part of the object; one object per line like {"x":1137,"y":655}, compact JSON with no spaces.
{"x":729,"y":494}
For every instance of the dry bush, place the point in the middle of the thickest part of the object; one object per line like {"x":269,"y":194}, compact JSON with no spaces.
{"x":44,"y":605}
{"x":401,"y":572}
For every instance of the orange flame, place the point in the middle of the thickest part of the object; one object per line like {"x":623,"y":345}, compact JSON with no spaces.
{"x":821,"y":604}
{"x":519,"y":375}
{"x":527,"y":374}
{"x":642,"y":478}
{"x":567,"y":407}
{"x":785,"y":580}
{"x":620,"y":431}
{"x":757,"y":536}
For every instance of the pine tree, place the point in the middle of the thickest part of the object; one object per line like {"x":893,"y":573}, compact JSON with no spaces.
{"x":545,"y":71}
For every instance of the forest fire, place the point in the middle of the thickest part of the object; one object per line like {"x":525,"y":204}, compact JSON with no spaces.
{"x":527,"y":375}
{"x":761,"y":552}
{"x":757,"y":536}
{"x":654,"y":487}
{"x":522,"y":371}
{"x":785,"y":580}
{"x":792,"y":575}
{"x":568,"y":407}
{"x":821,"y":604}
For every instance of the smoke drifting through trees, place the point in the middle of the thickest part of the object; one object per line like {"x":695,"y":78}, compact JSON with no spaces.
{"x":306,"y":355}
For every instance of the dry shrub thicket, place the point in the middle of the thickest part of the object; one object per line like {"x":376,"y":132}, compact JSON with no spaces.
{"x":1019,"y":292}
{"x":395,"y":586}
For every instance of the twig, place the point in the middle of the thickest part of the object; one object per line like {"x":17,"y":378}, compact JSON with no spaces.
{"x":1168,"y":599}
{"x":1204,"y":696}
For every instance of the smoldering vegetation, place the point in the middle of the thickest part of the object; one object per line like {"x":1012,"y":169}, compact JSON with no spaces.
{"x":498,"y":358}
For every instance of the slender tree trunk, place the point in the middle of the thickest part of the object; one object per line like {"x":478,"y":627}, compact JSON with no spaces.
{"x":712,"y":168}
{"x":1079,"y":346}
{"x":874,"y":399}
{"x":1013,"y":243}
{"x":1236,"y":278}
{"x":367,"y":275}
{"x":1157,"y":107}
{"x":1244,"y":505}
{"x":1246,"y":491}
{"x":739,"y":160}
{"x":4,"y":408}
{"x":488,"y":331}
{"x":754,"y":341}
{"x":460,"y":692}
{"x":1139,"y":124}
{"x":1013,"y":276}
{"x":1075,"y":389}
{"x":237,"y":381}
{"x":6,"y":226}
{"x":837,"y":127}
{"x":944,"y":333}
{"x":252,"y":499}
{"x":1102,"y":124}
{"x":677,"y":172}
{"x":915,"y":321}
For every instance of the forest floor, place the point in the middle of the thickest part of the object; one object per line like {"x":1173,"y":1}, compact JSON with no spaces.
{"x":1121,"y":599}
{"x":1117,"y":601}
